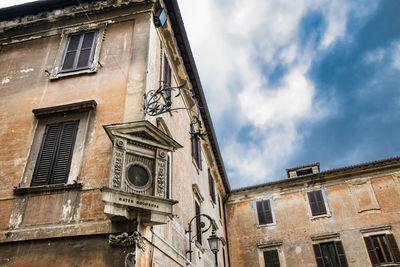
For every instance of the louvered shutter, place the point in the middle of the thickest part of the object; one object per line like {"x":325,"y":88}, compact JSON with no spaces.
{"x":320,"y":202}
{"x":54,"y":159}
{"x":46,"y":155}
{"x":313,"y":203}
{"x":65,"y":149}
{"x":340,"y":254}
{"x":198,"y":224}
{"x":264,"y":212}
{"x":371,"y":250}
{"x":167,"y":193}
{"x":211,"y":186}
{"x":271,"y":258}
{"x":199,"y":163}
{"x":318,"y":255}
{"x":393,"y":247}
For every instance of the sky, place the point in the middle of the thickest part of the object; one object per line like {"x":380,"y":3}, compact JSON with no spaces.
{"x":289,"y":83}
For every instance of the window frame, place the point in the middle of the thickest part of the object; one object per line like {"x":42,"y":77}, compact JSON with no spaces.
{"x":339,"y":255}
{"x":211,"y":187}
{"x":196,"y":152}
{"x":76,"y":111}
{"x":270,"y":246}
{"x":271,"y":207}
{"x":393,"y":251}
{"x":326,"y":203}
{"x":100,"y":28}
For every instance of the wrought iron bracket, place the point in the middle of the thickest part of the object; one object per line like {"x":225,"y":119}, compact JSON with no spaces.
{"x":154,"y":106}
{"x":202,"y":225}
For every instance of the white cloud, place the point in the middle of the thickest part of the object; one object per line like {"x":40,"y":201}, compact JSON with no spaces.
{"x":6,"y":3}
{"x":236,"y":46}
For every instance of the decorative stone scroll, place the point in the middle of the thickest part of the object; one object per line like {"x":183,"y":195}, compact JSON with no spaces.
{"x":126,"y":240}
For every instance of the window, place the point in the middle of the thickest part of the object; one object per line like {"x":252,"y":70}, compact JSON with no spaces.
{"x":196,"y":151}
{"x":264,"y":212}
{"x":219,"y":207}
{"x":317,"y":203}
{"x":54,"y":160}
{"x":382,"y":249}
{"x":79,"y":51}
{"x":198,"y":223}
{"x":57,"y":145}
{"x":304,"y":172}
{"x":166,"y":78}
{"x":211,"y":186}
{"x":271,"y":258}
{"x":223,"y":257}
{"x":168,"y":185}
{"x":330,"y":254}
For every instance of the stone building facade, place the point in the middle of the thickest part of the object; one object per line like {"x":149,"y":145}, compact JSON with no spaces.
{"x":90,"y":176}
{"x":104,"y":161}
{"x":342,"y":217}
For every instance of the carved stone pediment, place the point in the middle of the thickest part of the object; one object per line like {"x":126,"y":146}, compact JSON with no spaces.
{"x":139,"y":173}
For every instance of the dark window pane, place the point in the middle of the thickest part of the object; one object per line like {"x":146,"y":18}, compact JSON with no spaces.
{"x":84,"y":57}
{"x":74,"y":42}
{"x":378,"y":249}
{"x":88,"y":40}
{"x":69,"y":61}
{"x":329,"y":255}
{"x":304,"y":172}
{"x":271,"y":258}
{"x":385,"y":248}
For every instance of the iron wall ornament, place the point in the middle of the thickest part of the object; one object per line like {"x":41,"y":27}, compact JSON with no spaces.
{"x":201,"y":226}
{"x":154,"y":106}
{"x":126,"y":240}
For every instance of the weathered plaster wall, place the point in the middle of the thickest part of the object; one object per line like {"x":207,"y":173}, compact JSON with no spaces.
{"x":295,"y":225}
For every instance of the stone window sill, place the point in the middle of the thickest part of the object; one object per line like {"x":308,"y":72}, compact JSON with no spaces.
{"x":46,"y":188}
{"x":320,"y":216}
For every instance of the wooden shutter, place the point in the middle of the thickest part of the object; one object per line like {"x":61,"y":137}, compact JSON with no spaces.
{"x":264,"y":212}
{"x":167,"y":193}
{"x":198,"y":223}
{"x":317,"y":203}
{"x":219,"y":207}
{"x":199,"y":159}
{"x":271,"y":258}
{"x":371,"y":250}
{"x":318,"y":255}
{"x":211,"y":186}
{"x":340,"y":254}
{"x":45,"y":160}
{"x":394,"y":248}
{"x":54,"y":160}
{"x":320,"y":202}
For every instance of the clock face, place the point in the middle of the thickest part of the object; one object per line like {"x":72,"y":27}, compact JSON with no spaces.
{"x":138,"y":176}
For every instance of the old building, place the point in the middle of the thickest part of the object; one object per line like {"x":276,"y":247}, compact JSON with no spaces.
{"x":342,"y":217}
{"x":103,"y":160}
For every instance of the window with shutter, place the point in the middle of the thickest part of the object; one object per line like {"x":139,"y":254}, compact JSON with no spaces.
{"x":330,"y":254}
{"x":264,"y":212}
{"x":168,"y":182}
{"x":79,"y":51}
{"x":196,"y":151}
{"x":166,"y":78}
{"x":54,"y":159}
{"x":317,"y":203}
{"x":271,"y":258}
{"x":219,"y":207}
{"x":382,"y":249}
{"x":198,"y":223}
{"x":211,"y":186}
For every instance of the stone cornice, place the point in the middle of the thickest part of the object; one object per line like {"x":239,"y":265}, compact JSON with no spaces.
{"x":63,"y":109}
{"x":339,"y":174}
{"x":50,"y":13}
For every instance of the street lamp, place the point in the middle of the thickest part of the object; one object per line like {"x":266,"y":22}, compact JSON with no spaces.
{"x":213,"y":240}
